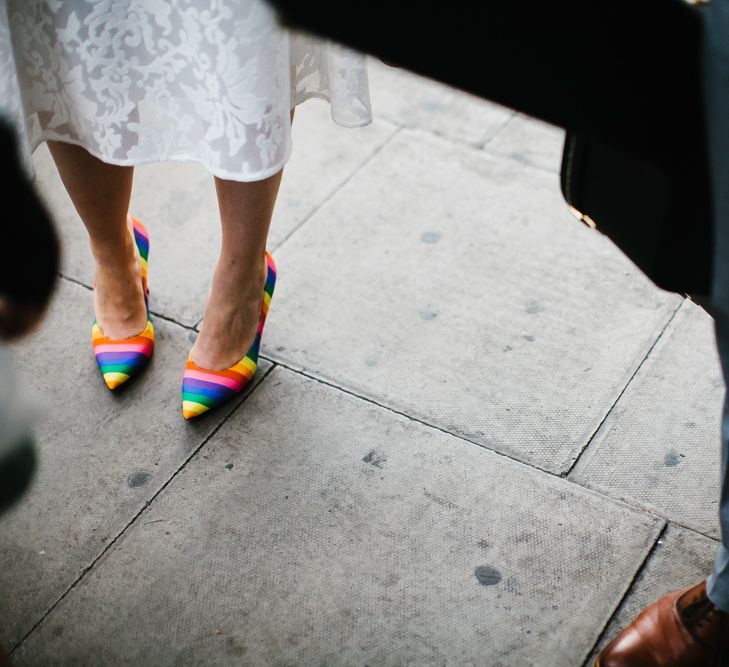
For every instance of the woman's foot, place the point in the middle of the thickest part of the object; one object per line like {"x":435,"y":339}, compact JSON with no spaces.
{"x":232,"y":314}
{"x":119,"y":303}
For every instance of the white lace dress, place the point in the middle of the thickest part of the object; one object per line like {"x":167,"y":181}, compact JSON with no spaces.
{"x":136,"y":81}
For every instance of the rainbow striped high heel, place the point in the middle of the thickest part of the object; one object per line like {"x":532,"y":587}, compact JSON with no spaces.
{"x":203,"y":390}
{"x":119,"y":360}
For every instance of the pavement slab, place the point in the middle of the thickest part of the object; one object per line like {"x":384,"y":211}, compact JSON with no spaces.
{"x":530,"y":141}
{"x":454,"y":286}
{"x":659,"y":447}
{"x":681,"y":558}
{"x":413,"y":101}
{"x":317,"y":528}
{"x":461,"y":333}
{"x":102,"y":455}
{"x":177,"y":203}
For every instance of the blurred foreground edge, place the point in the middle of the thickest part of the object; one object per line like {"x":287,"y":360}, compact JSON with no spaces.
{"x":28,"y":274}
{"x":623,"y":80}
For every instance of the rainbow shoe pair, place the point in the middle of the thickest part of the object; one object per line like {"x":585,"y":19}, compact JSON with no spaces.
{"x":202,"y":389}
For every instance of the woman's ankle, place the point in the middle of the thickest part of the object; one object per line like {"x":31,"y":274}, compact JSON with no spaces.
{"x":120,"y":254}
{"x":118,"y":249}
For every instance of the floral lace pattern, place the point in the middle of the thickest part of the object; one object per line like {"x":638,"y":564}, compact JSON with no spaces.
{"x":136,"y":81}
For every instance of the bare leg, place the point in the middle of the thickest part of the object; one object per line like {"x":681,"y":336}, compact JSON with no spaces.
{"x":100,"y":192}
{"x":234,"y":306}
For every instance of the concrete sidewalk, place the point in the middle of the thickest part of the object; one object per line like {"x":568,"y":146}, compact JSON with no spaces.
{"x":480,"y":436}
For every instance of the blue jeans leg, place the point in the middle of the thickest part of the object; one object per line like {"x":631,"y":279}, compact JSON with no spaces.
{"x":716,"y":96}
{"x":718,"y":583}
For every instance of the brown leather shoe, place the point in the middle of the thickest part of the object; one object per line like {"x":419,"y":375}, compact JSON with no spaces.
{"x":682,"y":629}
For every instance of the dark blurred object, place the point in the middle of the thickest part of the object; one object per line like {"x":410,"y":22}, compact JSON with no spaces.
{"x":625,"y":79}
{"x":27,"y":276}
{"x":661,"y":219}
{"x":17,"y":467}
{"x":31,"y":260}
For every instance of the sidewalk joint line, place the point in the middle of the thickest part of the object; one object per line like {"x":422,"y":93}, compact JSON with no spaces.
{"x":75,"y":281}
{"x":398,"y":129}
{"x":485,"y":146}
{"x":676,"y":522}
{"x":418,"y":420}
{"x":520,"y":161}
{"x":141,"y":511}
{"x":171,"y":320}
{"x":603,"y":494}
{"x":490,"y":136}
{"x":609,"y":411}
{"x":474,"y":145}
{"x":167,"y":318}
{"x":639,"y":570}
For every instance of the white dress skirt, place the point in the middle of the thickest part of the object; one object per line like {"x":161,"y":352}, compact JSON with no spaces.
{"x":135,"y":81}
